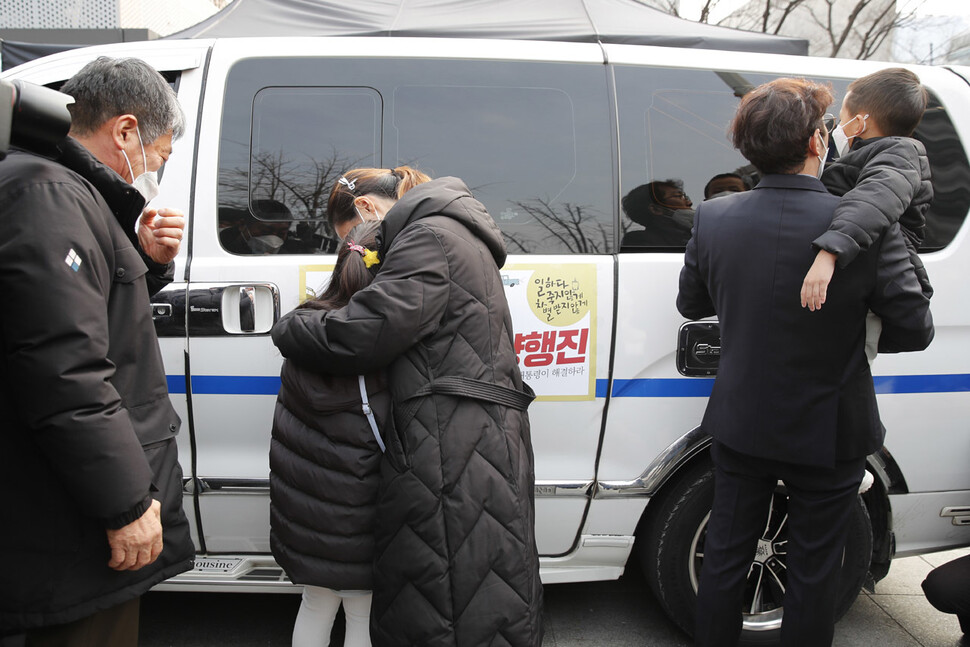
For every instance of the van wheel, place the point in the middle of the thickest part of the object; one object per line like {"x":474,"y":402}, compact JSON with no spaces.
{"x":672,"y":547}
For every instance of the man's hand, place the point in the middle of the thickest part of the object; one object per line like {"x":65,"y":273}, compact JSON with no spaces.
{"x":816,"y":283}
{"x":139,"y":543}
{"x":160,"y":233}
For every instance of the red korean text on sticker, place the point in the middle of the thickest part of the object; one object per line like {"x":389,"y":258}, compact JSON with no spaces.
{"x":568,"y":342}
{"x":552,"y":346}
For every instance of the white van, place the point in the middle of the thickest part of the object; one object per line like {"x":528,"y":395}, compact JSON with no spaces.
{"x":550,"y":137}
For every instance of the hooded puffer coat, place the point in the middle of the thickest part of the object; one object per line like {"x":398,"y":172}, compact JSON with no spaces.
{"x":456,"y":557}
{"x":324,"y":462}
{"x":881,"y":180}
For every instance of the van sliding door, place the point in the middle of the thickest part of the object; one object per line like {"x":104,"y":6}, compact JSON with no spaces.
{"x":531,"y":140}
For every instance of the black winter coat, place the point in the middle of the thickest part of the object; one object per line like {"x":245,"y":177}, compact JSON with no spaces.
{"x":882,"y":180}
{"x":324,"y":472}
{"x":456,"y":556}
{"x":87,"y":431}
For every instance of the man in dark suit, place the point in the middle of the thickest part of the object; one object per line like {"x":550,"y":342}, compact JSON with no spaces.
{"x":793,"y":399}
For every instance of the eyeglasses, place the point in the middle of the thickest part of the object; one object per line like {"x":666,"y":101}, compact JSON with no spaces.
{"x":829,"y":121}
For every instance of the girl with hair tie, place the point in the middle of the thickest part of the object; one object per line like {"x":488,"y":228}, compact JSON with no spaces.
{"x":324,"y":461}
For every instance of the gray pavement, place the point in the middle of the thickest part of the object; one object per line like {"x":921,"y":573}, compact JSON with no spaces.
{"x":591,"y":614}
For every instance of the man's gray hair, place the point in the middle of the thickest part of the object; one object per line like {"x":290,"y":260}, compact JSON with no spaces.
{"x":108,"y":87}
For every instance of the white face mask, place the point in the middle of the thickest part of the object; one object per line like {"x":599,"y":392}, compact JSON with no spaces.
{"x":681,"y":216}
{"x":839,"y":137}
{"x":147,"y":183}
{"x":268,"y":244}
{"x":822,"y":151}
{"x":361,"y":216}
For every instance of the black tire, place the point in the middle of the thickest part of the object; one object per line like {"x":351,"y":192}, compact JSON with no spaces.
{"x":675,"y":530}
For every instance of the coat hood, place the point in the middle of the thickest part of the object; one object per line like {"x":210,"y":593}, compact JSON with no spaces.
{"x":449,"y":197}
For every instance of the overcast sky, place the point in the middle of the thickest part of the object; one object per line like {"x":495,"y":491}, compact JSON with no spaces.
{"x":939,"y":20}
{"x":692,"y":8}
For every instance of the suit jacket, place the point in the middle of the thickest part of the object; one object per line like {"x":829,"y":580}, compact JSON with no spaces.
{"x":794,"y":385}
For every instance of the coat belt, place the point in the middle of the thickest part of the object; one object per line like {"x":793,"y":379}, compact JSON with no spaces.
{"x":466,"y":387}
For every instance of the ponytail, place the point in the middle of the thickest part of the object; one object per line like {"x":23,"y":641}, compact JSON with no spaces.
{"x":409,"y":178}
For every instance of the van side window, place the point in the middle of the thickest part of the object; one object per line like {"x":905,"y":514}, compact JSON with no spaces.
{"x":531,"y":140}
{"x":538,"y":158}
{"x":274,"y":182}
{"x":675,"y":151}
{"x":951,"y":177}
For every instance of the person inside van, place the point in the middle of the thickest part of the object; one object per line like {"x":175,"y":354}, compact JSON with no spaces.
{"x":724,"y":184}
{"x":242,"y":233}
{"x":456,"y":560}
{"x":882,"y":175}
{"x":664,"y":211}
{"x":324,"y":460}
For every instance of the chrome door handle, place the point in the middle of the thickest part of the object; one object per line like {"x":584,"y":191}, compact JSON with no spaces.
{"x":247,"y":308}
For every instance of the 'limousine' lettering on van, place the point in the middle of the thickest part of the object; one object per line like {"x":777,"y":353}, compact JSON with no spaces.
{"x":565,"y":144}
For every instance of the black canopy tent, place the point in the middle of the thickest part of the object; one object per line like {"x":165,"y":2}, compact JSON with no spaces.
{"x":606,"y":21}
{"x":13,"y":53}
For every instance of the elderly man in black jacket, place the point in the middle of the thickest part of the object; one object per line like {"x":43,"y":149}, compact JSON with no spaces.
{"x":89,"y":479}
{"x":794,"y":398}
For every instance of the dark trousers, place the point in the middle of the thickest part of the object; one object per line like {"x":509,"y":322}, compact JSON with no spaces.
{"x":947,"y":588}
{"x":819,"y":508}
{"x":114,"y":627}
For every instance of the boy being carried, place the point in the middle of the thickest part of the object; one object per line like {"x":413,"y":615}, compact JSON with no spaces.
{"x":882,"y":175}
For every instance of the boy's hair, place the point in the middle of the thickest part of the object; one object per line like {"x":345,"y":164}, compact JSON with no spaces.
{"x":350,"y":273}
{"x":775,"y":121}
{"x":893,"y":97}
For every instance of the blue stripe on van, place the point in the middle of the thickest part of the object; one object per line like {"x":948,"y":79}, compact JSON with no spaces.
{"x":921,"y":383}
{"x":638,"y":388}
{"x":701,"y":387}
{"x":226,"y":384}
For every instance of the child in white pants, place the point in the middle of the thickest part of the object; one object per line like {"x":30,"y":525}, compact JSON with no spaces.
{"x":318,"y":610}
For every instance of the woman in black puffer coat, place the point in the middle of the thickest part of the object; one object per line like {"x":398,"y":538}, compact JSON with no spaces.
{"x":456,"y":561}
{"x":324,"y":462}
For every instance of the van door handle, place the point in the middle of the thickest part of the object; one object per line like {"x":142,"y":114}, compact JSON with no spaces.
{"x":226,"y":309}
{"x":247,"y":308}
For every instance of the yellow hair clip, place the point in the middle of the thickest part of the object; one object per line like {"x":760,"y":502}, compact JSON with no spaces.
{"x":370,"y":258}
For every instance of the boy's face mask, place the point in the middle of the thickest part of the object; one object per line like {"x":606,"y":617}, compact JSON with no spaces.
{"x":842,"y":140}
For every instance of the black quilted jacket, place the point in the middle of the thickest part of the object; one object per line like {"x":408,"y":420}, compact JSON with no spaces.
{"x":324,"y":463}
{"x":456,"y":556}
{"x":882,"y":180}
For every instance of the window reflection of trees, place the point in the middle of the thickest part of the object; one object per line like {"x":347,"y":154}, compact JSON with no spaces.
{"x":561,"y":227}
{"x":303,"y":186}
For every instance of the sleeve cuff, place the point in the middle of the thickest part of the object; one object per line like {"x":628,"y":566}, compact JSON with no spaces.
{"x":839,"y":244}
{"x":133,"y":514}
